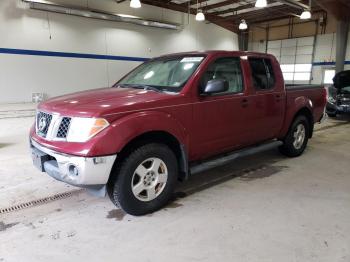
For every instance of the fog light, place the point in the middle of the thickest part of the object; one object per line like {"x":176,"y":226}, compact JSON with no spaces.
{"x":73,"y":170}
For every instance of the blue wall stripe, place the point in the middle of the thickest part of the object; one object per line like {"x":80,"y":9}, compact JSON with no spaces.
{"x":323,"y":63}
{"x":72,"y":55}
{"x":101,"y":57}
{"x":328,"y":63}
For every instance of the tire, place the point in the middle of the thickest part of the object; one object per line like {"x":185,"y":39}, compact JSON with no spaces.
{"x":297,"y":137}
{"x":332,"y":115}
{"x":145,"y":180}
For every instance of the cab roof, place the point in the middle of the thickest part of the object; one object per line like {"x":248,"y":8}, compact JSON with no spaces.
{"x":218,"y":52}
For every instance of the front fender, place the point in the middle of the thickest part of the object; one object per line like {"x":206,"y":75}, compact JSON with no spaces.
{"x":125,"y":129}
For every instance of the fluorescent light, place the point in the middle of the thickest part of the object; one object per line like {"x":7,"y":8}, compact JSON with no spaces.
{"x":135,"y":4}
{"x":90,"y":13}
{"x":128,"y":16}
{"x":260,"y":3}
{"x":200,"y":16}
{"x":305,"y":15}
{"x":243,"y":25}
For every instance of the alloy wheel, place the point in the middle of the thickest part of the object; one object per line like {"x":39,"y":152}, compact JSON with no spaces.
{"x":149,"y":179}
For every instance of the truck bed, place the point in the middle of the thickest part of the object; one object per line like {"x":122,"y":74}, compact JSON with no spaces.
{"x":295,"y":87}
{"x":312,"y":92}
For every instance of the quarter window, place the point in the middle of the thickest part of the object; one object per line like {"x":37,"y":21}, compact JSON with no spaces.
{"x":225,"y":68}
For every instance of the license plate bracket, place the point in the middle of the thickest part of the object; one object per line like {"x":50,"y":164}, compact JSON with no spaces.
{"x":39,"y":158}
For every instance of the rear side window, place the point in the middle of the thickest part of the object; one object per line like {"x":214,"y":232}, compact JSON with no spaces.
{"x":225,"y":68}
{"x":262,"y":73}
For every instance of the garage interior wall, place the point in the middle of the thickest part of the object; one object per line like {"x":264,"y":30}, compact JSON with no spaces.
{"x":26,"y":29}
{"x":303,"y":48}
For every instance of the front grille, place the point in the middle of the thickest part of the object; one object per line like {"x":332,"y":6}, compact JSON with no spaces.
{"x":63,"y":128}
{"x":43,"y":121}
{"x":344,"y":101}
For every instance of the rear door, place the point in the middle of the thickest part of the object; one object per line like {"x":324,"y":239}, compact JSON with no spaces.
{"x":267,"y":99}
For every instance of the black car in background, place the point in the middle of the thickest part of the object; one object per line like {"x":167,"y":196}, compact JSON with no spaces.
{"x":339,"y":95}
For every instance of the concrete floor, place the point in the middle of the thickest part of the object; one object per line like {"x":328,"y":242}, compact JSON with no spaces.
{"x":260,"y":208}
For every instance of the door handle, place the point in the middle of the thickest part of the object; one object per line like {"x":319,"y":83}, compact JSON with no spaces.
{"x":278,"y":98}
{"x":244,"y":102}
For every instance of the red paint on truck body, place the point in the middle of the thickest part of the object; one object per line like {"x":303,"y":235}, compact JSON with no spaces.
{"x":204,"y":125}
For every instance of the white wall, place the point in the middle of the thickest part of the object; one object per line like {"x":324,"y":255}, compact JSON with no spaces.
{"x":325,"y":51}
{"x":22,"y":28}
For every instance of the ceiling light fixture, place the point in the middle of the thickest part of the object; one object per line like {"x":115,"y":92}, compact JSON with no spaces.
{"x":260,"y":3}
{"x":135,"y":4}
{"x":127,"y":16}
{"x":243,"y":25}
{"x":305,"y":15}
{"x":200,"y":16}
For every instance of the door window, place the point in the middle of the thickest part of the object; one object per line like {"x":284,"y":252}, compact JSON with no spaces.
{"x":262,"y":73}
{"x":225,"y":68}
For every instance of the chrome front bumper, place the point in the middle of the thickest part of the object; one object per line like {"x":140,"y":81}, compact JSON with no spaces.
{"x":87,"y":172}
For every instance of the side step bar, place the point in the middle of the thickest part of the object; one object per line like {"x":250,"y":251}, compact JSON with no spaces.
{"x":234,"y":155}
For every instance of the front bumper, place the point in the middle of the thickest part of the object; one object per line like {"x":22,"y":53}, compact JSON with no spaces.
{"x":87,"y":172}
{"x":337,"y":109}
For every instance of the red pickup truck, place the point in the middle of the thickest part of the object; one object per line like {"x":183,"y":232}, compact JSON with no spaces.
{"x":137,"y":138}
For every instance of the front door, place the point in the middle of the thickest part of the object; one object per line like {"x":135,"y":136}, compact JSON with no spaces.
{"x":220,"y":119}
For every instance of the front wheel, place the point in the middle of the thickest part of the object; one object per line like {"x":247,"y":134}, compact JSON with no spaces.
{"x":332,"y":115}
{"x":296,"y":140}
{"x":145,"y":180}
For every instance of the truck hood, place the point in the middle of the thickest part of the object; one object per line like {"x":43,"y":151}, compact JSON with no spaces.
{"x":342,"y":79}
{"x":104,"y":101}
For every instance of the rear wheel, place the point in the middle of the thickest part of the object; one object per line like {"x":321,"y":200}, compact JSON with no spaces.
{"x":145,"y":180}
{"x":296,"y":140}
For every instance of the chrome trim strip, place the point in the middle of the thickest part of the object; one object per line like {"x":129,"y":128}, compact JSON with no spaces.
{"x":47,"y":150}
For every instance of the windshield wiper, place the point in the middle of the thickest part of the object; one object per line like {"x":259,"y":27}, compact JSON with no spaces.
{"x":146,"y":87}
{"x":141,"y":86}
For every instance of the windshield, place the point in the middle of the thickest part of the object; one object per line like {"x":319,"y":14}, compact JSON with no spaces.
{"x":165,"y":74}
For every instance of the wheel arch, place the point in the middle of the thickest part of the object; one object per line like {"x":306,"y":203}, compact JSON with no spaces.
{"x":158,"y":136}
{"x":308,"y":114}
{"x":303,"y":111}
{"x":295,"y":107}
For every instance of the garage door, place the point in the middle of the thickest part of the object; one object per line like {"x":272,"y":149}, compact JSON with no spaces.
{"x":295,"y":56}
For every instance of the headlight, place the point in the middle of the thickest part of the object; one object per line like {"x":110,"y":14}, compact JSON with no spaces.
{"x":82,"y":129}
{"x":331,"y":100}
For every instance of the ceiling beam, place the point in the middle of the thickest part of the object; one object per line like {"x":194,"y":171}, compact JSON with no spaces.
{"x":261,"y":13}
{"x":340,"y":9}
{"x":220,"y":4}
{"x":193,"y":2}
{"x":294,"y":3}
{"x":287,"y":9}
{"x":193,"y":11}
{"x":232,"y":10}
{"x":275,"y":17}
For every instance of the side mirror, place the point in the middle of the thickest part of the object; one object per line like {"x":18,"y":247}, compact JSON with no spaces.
{"x":215,"y":86}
